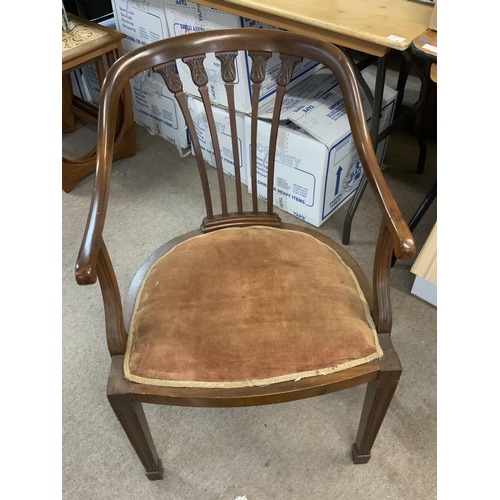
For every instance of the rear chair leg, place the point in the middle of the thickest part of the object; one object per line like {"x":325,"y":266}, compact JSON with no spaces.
{"x":131,"y":416}
{"x":378,"y":397}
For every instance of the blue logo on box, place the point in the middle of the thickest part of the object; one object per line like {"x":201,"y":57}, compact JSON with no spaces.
{"x":352,"y":176}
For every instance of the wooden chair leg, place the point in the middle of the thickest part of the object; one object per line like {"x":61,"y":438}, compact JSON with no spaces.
{"x":68,"y":118}
{"x":378,"y":397}
{"x":131,"y":416}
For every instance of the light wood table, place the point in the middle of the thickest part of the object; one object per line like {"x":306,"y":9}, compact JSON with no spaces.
{"x":372,"y":27}
{"x":84,"y":44}
{"x":368,"y":26}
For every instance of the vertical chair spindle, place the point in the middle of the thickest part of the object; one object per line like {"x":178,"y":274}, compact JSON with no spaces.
{"x":228,"y":73}
{"x":257,"y":74}
{"x":283,"y":78}
{"x":171,"y":78}
{"x":200,"y":78}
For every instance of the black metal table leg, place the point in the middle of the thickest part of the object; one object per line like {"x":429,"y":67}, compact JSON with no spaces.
{"x":404,"y":71}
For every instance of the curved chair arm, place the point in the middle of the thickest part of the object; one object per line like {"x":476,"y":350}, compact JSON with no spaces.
{"x":114,"y":82}
{"x":86,"y":264}
{"x":394,"y":234}
{"x":403,"y":242}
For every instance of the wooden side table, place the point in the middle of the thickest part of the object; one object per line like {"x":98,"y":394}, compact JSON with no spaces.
{"x":84,"y":44}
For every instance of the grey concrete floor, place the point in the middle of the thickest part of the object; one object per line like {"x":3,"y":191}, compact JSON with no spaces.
{"x":292,"y":451}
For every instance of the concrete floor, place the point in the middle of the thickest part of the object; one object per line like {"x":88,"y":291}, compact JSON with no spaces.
{"x":292,"y":451}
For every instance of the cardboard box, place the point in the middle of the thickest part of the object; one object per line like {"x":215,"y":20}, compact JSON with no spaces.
{"x":157,"y":110}
{"x":92,"y":81}
{"x":184,"y":17}
{"x":301,"y":95}
{"x":142,"y":22}
{"x":317,"y":168}
{"x":221,"y":118}
{"x":85,"y":83}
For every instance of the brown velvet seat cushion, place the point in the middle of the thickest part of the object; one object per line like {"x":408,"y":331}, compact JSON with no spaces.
{"x":250,"y":306}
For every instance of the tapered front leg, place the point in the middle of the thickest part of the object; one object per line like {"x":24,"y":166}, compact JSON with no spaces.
{"x":378,"y":397}
{"x":131,"y":416}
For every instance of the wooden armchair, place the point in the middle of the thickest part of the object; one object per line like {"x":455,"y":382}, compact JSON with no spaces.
{"x":245,"y":310}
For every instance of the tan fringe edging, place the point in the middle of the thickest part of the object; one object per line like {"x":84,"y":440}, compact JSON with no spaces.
{"x":254,"y":382}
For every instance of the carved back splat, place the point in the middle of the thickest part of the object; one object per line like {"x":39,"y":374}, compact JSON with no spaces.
{"x":228,"y":74}
{"x":171,"y":78}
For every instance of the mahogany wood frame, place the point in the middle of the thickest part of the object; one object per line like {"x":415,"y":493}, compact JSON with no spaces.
{"x":94,"y":264}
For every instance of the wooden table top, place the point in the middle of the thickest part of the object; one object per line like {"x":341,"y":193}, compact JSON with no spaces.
{"x":84,"y":39}
{"x":372,"y":26}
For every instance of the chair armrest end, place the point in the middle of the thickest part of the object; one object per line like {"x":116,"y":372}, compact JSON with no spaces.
{"x":86,"y":268}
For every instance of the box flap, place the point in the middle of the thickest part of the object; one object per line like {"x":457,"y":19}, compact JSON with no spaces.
{"x":301,"y":95}
{"x":325,"y":118}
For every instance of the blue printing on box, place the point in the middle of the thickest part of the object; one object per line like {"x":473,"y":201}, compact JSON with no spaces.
{"x":130,"y":38}
{"x":223,"y":158}
{"x":188,"y":141}
{"x":313,"y":191}
{"x":156,"y":118}
{"x":328,"y":163}
{"x":292,"y":196}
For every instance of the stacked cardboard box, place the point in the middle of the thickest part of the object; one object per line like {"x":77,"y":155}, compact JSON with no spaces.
{"x":155,"y":107}
{"x":142,"y":22}
{"x":187,"y":17}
